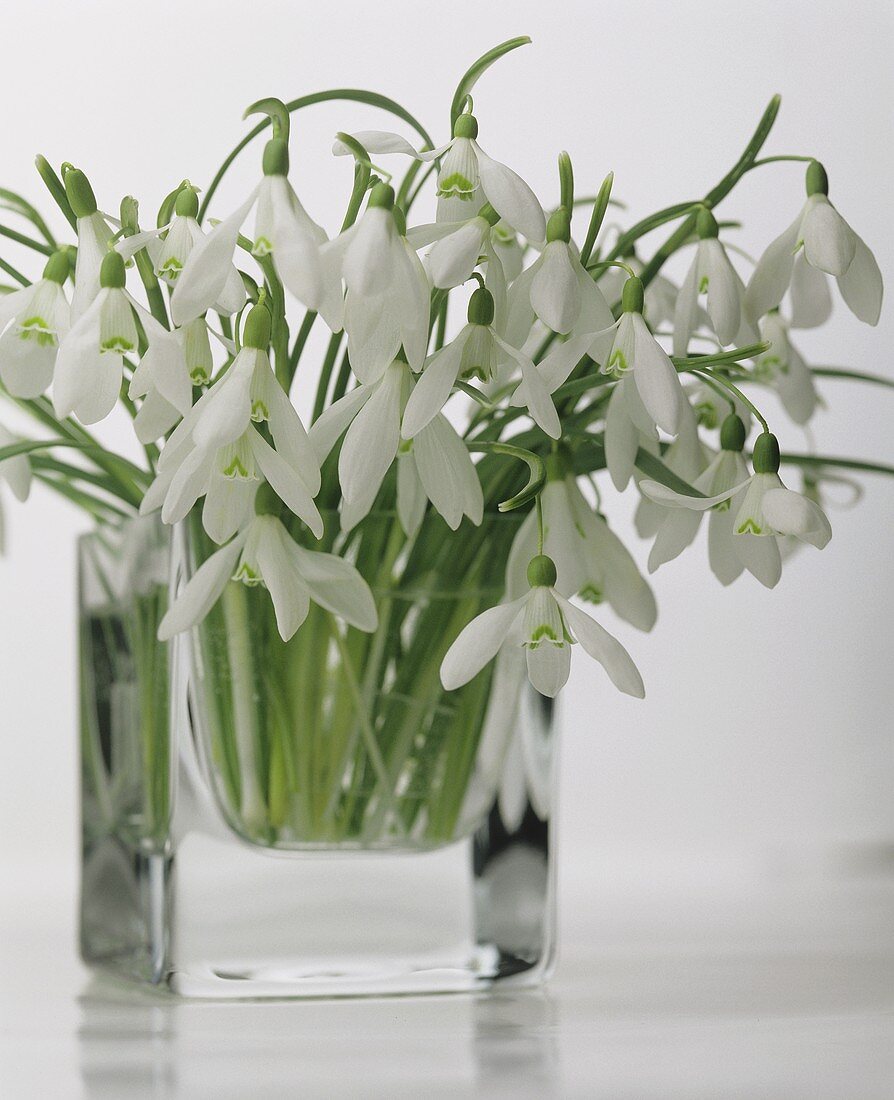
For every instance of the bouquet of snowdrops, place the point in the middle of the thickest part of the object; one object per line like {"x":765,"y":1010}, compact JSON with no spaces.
{"x":564,"y":363}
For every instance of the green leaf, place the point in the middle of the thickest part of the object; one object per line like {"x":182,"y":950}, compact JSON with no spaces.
{"x":856,"y":464}
{"x":852,"y":375}
{"x":597,"y":217}
{"x":534,"y":462}
{"x":654,"y":468}
{"x":17,"y":205}
{"x":476,"y":70}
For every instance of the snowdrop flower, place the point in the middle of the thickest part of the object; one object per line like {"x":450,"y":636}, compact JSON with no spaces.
{"x":591,"y":561}
{"x":283,"y":230}
{"x":782,"y":366}
{"x":468,"y":178}
{"x":16,"y":472}
{"x":557,"y":289}
{"x":388,"y":297}
{"x":264,"y":553}
{"x":436,"y":466}
{"x":35,"y":319}
{"x":679,"y":526}
{"x":712,"y":275}
{"x":636,"y":350}
{"x":828,"y":244}
{"x":476,"y":351}
{"x":171,"y":245}
{"x":89,"y":365}
{"x":546,"y":625}
{"x":217,"y":452}
{"x":94,"y":235}
{"x":762,"y":508}
{"x":459,"y":247}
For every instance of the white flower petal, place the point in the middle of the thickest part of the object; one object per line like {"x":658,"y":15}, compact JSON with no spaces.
{"x":773,"y":273}
{"x":621,"y":439}
{"x":537,"y":398}
{"x":548,"y":667}
{"x":448,"y":473}
{"x":411,"y":497}
{"x":203,"y":590}
{"x":286,"y":482}
{"x":760,"y":556}
{"x":454,"y":258}
{"x":677,"y":531}
{"x":279,"y":571}
{"x":332,"y":423}
{"x":722,"y":557}
{"x":790,"y":513}
{"x":478,"y":642}
{"x":686,"y":309}
{"x":511,"y":197}
{"x":435,"y":385}
{"x":829,"y":242}
{"x":373,"y":326}
{"x":811,"y":300}
{"x":371,"y":443}
{"x":656,"y":378}
{"x":335,"y":584}
{"x":724,"y":290}
{"x":605,"y":649}
{"x":555,"y":289}
{"x":661,"y":494}
{"x":861,"y":285}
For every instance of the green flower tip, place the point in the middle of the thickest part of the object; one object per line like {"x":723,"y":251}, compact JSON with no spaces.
{"x":130,"y":214}
{"x":267,"y":502}
{"x":558,"y":227}
{"x":481,"y":307}
{"x":382,"y":195}
{"x":400,"y":221}
{"x":817,"y":181}
{"x":542,"y":572}
{"x":276,"y":157}
{"x":80,"y":193}
{"x":466,"y":126}
{"x":706,"y":224}
{"x":186,"y":205}
{"x":766,"y":454}
{"x":58,"y":267}
{"x":733,"y":433}
{"x":256,"y":333}
{"x":633,"y":296}
{"x":111,"y":273}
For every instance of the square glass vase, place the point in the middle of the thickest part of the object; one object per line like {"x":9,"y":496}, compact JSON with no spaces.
{"x":315,"y":817}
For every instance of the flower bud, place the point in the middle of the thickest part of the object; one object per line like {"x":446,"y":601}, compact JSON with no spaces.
{"x":80,"y":193}
{"x":186,"y":205}
{"x":632,"y":296}
{"x":817,"y":181}
{"x":130,"y":214}
{"x":256,"y":333}
{"x":558,"y":228}
{"x":276,"y":158}
{"x":382,"y":195}
{"x":111,"y":274}
{"x":706,"y":224}
{"x":58,"y":267}
{"x":481,"y":307}
{"x":733,"y":433}
{"x":542,"y":572}
{"x":466,"y":126}
{"x":766,"y":454}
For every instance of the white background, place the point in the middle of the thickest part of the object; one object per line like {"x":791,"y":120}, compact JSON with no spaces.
{"x":763,"y":749}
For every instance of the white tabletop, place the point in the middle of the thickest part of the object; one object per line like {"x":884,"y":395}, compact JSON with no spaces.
{"x":780,"y":987}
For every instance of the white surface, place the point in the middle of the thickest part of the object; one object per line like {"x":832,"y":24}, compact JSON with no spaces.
{"x":765,"y":737}
{"x":776,"y":989}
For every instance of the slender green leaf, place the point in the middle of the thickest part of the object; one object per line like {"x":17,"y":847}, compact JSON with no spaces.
{"x":477,"y":69}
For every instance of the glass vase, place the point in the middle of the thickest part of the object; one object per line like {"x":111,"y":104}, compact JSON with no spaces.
{"x":315,"y":817}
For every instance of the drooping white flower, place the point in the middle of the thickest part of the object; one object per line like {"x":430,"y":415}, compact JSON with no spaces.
{"x":388,"y":297}
{"x":636,"y":350}
{"x":283,"y":230}
{"x":467,"y":179}
{"x":217,"y":451}
{"x":171,"y":245}
{"x":89,"y":364}
{"x":828,"y":244}
{"x":782,"y":366}
{"x":685,"y":456}
{"x":94,"y":235}
{"x":436,"y":466}
{"x":557,"y":289}
{"x":16,"y":472}
{"x":33,"y":320}
{"x":679,"y":526}
{"x":712,"y":276}
{"x":546,"y":625}
{"x":591,"y":561}
{"x":263,"y":553}
{"x":477,"y":351}
{"x":762,"y":508}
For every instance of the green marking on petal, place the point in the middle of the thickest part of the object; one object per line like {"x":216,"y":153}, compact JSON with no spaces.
{"x":591,"y":593}
{"x":263,"y":246}
{"x":119,"y":345}
{"x":617,"y":364}
{"x":259,"y":411}
{"x":703,"y":285}
{"x":37,"y":330}
{"x":248,"y":575}
{"x":170,"y":269}
{"x":457,"y":186}
{"x":749,"y":527}
{"x":199,"y":376}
